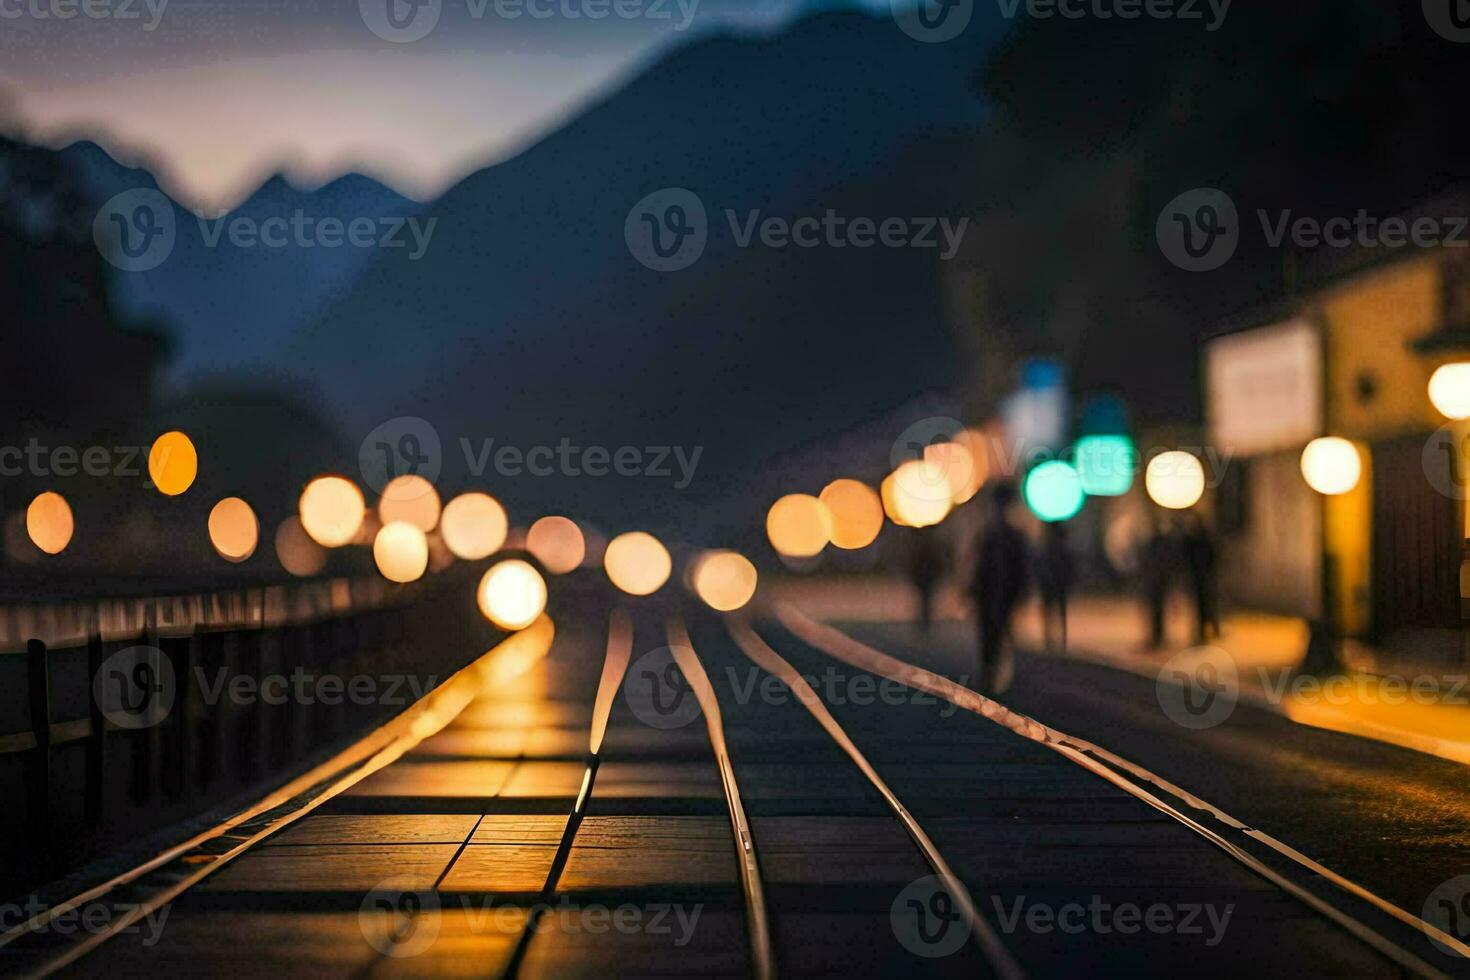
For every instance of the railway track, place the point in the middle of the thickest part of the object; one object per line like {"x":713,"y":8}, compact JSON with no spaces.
{"x":834,"y":812}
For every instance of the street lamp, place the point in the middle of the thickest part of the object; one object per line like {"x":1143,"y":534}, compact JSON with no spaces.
{"x":1175,"y":480}
{"x":1331,"y":466}
{"x":1449,"y":390}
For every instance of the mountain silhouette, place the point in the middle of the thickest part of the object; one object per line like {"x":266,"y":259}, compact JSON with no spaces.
{"x":529,"y":320}
{"x":225,"y":303}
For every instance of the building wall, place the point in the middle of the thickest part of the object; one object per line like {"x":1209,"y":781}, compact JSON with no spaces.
{"x":1375,"y":393}
{"x":1271,"y":562}
{"x":1376,"y":384}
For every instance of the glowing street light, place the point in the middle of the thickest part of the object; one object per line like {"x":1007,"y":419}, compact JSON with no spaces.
{"x":49,"y":522}
{"x":799,"y":525}
{"x":401,"y":551}
{"x":410,"y":498}
{"x":173,"y":463}
{"x":512,"y":594}
{"x":725,"y":580}
{"x":1053,"y":491}
{"x":473,"y":526}
{"x":1175,"y":479}
{"x":233,"y":529}
{"x":917,"y":494}
{"x":557,"y":543}
{"x":1105,"y":464}
{"x":857,"y":513}
{"x":296,"y":551}
{"x":637,"y":563}
{"x":332,"y":510}
{"x":1449,"y":390}
{"x":1331,"y":465}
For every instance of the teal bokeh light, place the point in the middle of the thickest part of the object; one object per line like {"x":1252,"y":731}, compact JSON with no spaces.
{"x":1053,"y":491}
{"x":1105,"y":464}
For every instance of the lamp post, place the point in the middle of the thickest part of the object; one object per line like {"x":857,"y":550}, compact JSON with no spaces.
{"x":1449,"y":393}
{"x":1331,"y":466}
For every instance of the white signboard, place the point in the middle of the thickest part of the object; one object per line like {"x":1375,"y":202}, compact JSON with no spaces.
{"x":1264,"y":388}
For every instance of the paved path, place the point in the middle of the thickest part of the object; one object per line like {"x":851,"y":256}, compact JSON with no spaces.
{"x":482,"y":851}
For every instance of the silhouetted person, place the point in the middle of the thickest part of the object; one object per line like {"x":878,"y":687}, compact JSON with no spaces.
{"x":998,"y":585}
{"x":1054,"y":581}
{"x":926,"y":567}
{"x":1200,"y":559}
{"x":1157,"y":567}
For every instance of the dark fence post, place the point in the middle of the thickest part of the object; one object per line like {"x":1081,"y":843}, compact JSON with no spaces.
{"x":211,"y":662}
{"x":39,"y":790}
{"x":175,"y":651}
{"x":97,"y":743}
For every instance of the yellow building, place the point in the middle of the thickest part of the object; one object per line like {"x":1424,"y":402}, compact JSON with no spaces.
{"x":1353,"y":359}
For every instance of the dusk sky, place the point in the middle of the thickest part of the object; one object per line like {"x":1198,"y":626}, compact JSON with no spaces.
{"x":217,"y":96}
